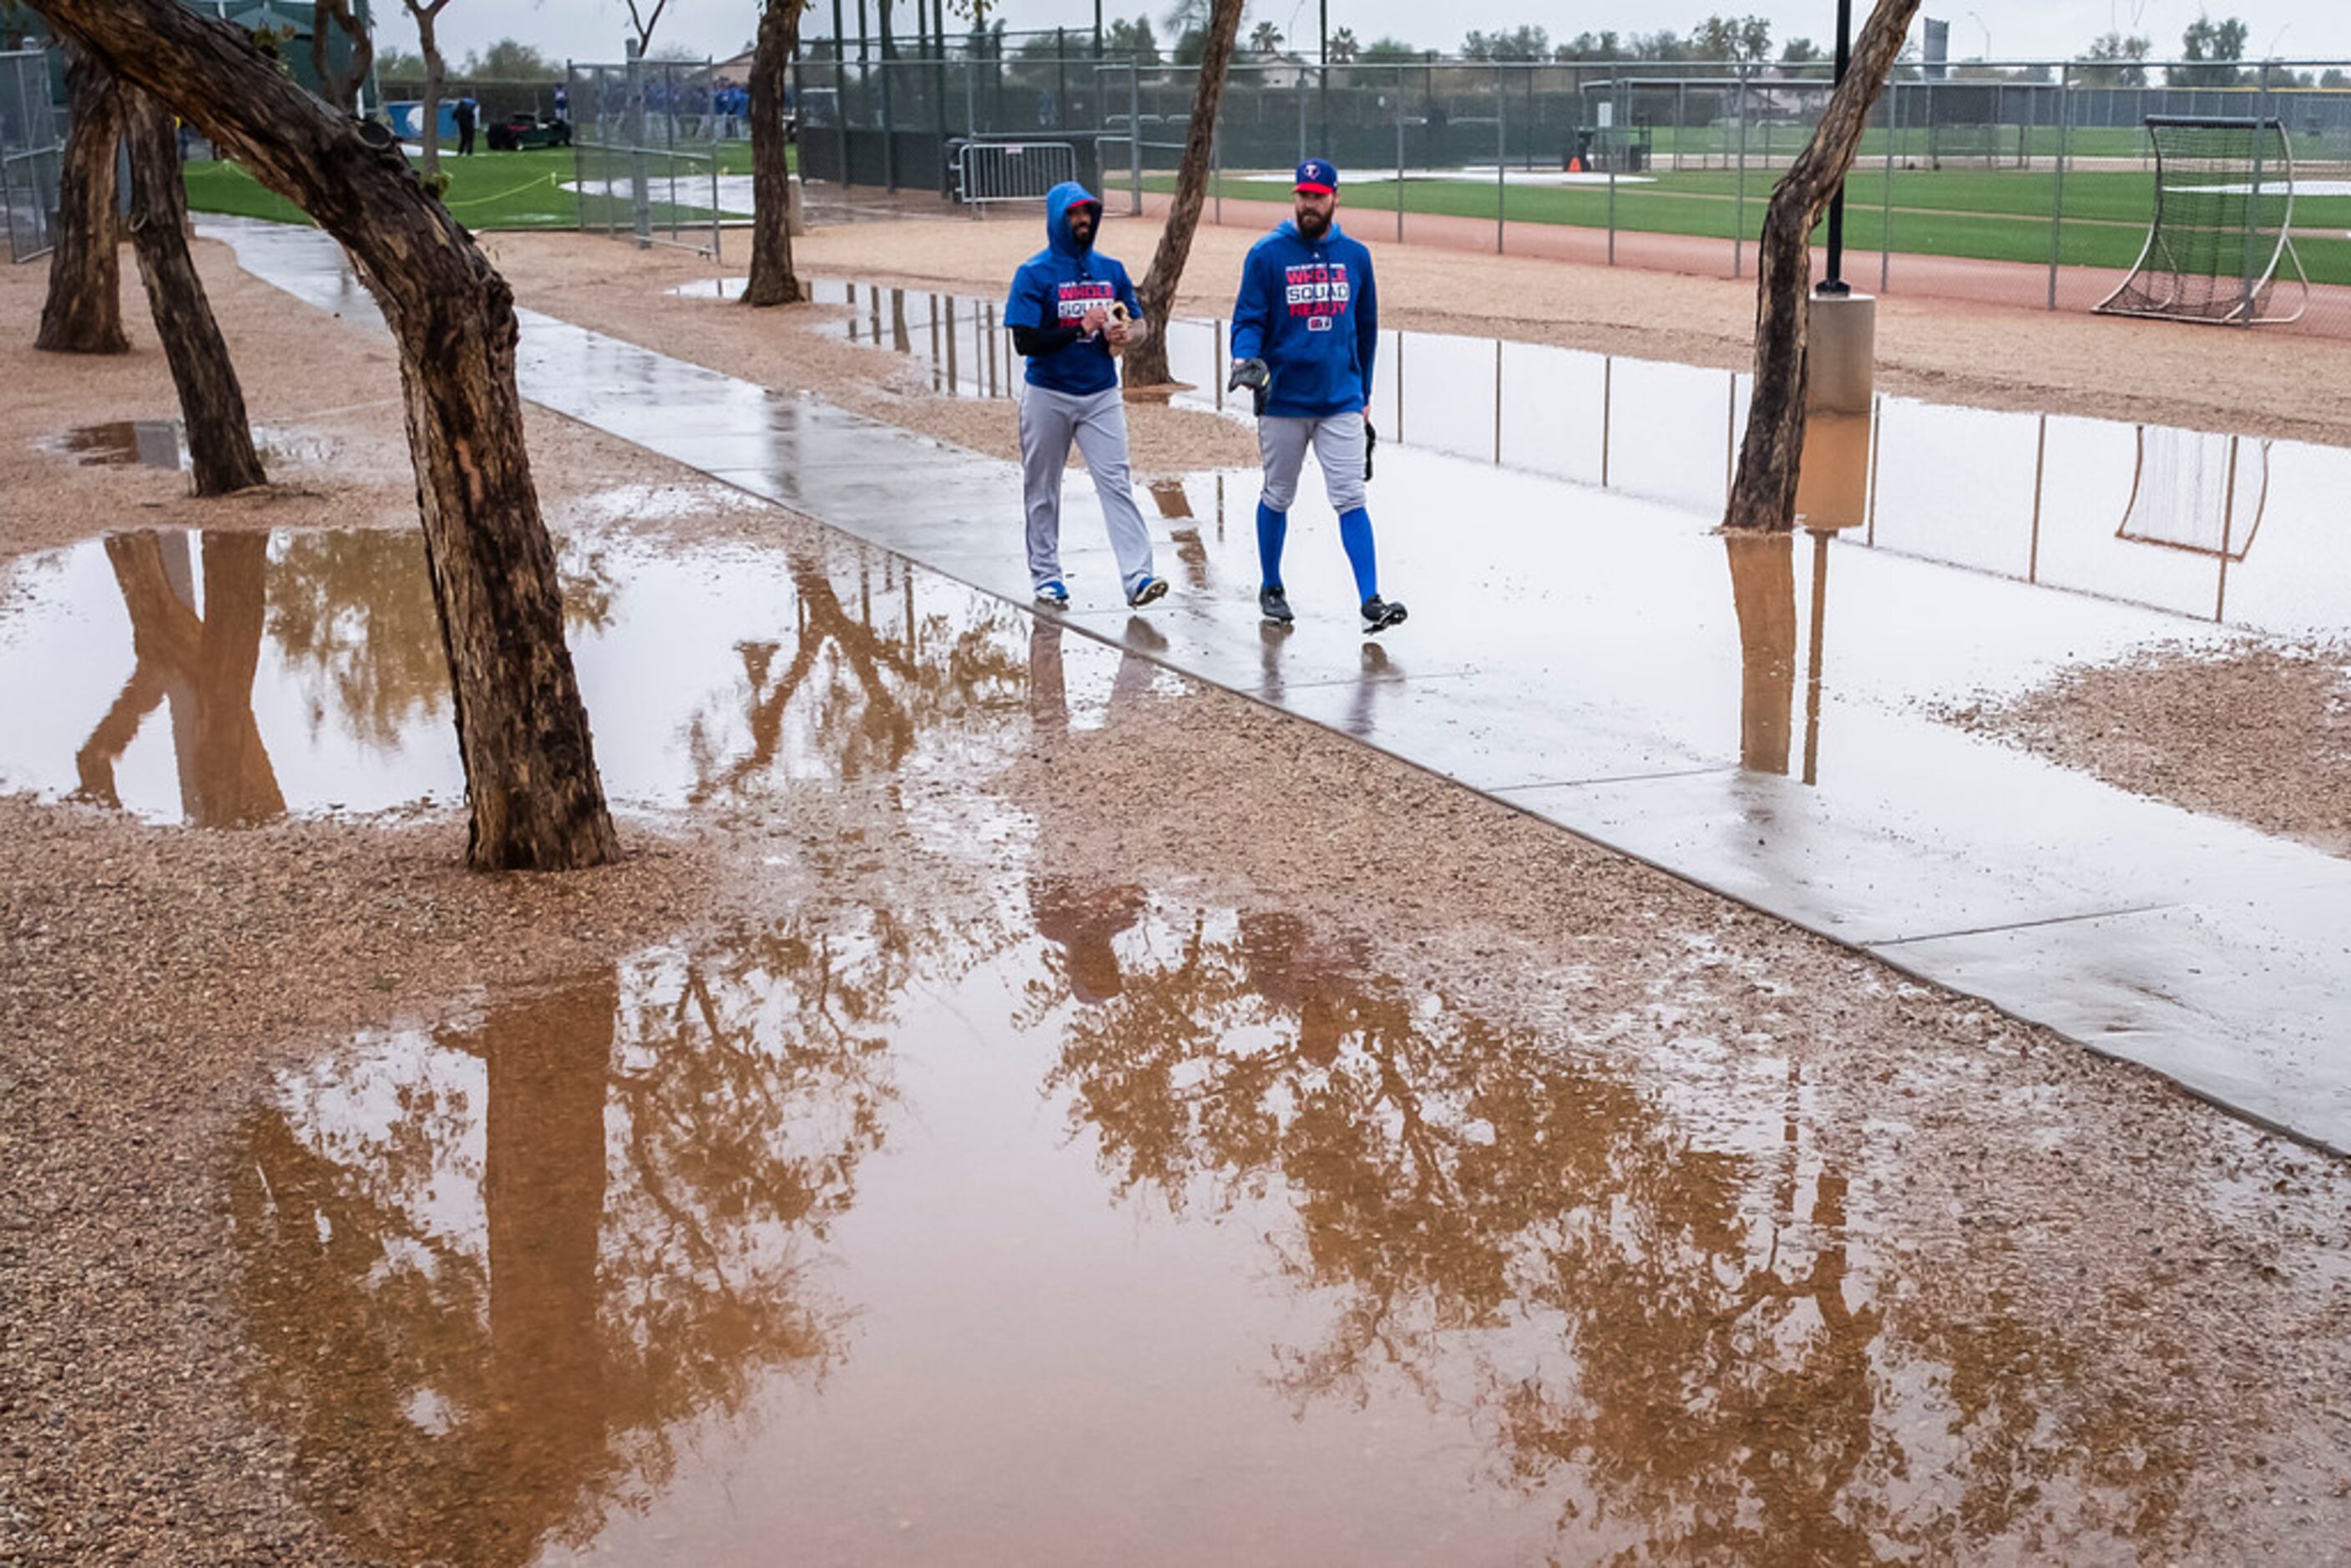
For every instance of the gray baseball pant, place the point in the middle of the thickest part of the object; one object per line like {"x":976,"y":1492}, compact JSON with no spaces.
{"x":1049,"y":420}
{"x":1338,"y":443}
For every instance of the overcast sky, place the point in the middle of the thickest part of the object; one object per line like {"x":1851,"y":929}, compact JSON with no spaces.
{"x":593,"y":29}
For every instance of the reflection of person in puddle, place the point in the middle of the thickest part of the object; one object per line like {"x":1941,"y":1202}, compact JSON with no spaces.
{"x":1084,"y":921}
{"x":1069,"y":311}
{"x":1305,"y":330}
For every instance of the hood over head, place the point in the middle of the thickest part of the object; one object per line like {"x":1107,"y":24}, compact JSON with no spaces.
{"x":1057,"y":202}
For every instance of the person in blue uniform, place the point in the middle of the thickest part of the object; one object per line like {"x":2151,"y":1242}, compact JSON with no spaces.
{"x":1305,"y":332}
{"x":1070,"y":309}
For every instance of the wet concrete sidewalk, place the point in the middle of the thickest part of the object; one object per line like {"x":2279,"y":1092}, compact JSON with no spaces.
{"x":1581,"y":654}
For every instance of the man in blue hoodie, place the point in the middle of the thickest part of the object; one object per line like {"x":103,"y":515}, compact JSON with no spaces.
{"x":1063,"y":320}
{"x":1305,"y":330}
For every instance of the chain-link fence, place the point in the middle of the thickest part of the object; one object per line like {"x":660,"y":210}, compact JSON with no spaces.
{"x":2029,"y":184}
{"x":646,"y":141}
{"x":32,"y":149}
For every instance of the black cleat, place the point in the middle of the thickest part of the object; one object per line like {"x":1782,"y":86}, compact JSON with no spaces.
{"x":1379,"y":614}
{"x":1274,"y":605}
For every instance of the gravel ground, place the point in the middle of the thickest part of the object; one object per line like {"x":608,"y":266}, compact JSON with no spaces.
{"x":2152,"y":1299}
{"x":2259,"y":732}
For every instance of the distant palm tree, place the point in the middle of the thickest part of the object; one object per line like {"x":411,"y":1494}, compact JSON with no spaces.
{"x":1343,"y":46}
{"x":1266,"y":39}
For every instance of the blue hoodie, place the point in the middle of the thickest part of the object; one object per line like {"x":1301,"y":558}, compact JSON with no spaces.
{"x":1056,"y":286}
{"x":1311,"y":312}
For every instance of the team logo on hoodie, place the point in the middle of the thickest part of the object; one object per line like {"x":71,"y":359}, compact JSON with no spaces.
{"x":1317,"y":290}
{"x":1077,"y":299}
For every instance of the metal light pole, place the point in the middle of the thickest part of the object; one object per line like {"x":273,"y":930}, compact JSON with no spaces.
{"x":1322,"y":84}
{"x":1835,"y":283}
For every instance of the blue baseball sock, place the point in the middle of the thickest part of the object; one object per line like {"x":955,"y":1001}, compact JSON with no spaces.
{"x":1355,"y":533}
{"x":1272,"y":528}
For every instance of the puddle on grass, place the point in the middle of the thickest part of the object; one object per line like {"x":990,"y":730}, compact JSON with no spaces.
{"x":1087,"y":1224}
{"x":159,"y":443}
{"x":228,"y":678}
{"x":2239,"y":531}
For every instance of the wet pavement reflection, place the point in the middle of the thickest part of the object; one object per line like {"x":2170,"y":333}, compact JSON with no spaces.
{"x":2149,"y":514}
{"x":304,"y":672}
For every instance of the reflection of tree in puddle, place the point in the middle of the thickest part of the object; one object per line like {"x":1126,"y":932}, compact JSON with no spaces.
{"x":491,"y":1269}
{"x":1669,"y":1341}
{"x":857,"y":685}
{"x":354,"y":608}
{"x":204,"y":665}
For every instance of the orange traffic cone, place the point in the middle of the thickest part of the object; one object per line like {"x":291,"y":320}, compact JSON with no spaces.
{"x":1575,"y":165}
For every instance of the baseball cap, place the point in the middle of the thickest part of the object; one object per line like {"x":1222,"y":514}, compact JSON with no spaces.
{"x":1317,"y":174}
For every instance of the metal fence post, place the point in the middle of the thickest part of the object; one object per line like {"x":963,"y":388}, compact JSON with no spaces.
{"x":1502,"y":157}
{"x":2253,"y":210}
{"x":889,"y":133}
{"x":1217,"y":165}
{"x":1134,"y":137}
{"x":840,"y":109}
{"x":1738,"y":221}
{"x":1399,"y":129}
{"x":2057,"y":189}
{"x":634,"y":119}
{"x":1885,"y":222}
{"x":1621,"y":113}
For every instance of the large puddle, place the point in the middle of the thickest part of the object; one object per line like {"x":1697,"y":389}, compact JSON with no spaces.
{"x":2242,"y":531}
{"x":230,"y":678}
{"x":1096,"y":1226}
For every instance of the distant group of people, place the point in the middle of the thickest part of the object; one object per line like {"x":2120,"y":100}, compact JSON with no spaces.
{"x":1305,"y":332}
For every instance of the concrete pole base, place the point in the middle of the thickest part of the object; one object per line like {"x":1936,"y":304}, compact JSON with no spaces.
{"x":1840,"y":400}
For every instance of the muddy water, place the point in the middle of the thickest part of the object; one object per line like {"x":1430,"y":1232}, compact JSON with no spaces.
{"x":159,"y":443}
{"x":2235,"y":529}
{"x":227,"y":679}
{"x":1090,"y":1224}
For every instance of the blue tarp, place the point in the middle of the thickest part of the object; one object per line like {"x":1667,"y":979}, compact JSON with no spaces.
{"x":408,"y":119}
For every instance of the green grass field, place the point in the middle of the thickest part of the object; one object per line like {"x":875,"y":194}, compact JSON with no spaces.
{"x":488,"y":192}
{"x":1976,"y":213}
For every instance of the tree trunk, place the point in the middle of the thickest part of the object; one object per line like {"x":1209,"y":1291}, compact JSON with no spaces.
{"x":212,"y":403}
{"x":522,"y":733}
{"x":429,"y":128}
{"x":1146,"y":363}
{"x":340,"y":89}
{"x":84,"y":312}
{"x":1770,"y":457}
{"x":772,"y":281}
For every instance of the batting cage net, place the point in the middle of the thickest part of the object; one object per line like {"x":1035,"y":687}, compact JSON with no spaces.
{"x":2222,"y":243}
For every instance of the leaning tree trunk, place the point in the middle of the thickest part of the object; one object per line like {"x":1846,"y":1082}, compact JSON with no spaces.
{"x":212,"y":403}
{"x":772,"y":281}
{"x":341,"y":88}
{"x":530,"y":768}
{"x":84,"y":312}
{"x":1146,"y":363}
{"x":1764,"y":494}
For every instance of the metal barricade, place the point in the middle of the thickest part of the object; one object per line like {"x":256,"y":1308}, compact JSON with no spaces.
{"x":990,"y":171}
{"x":644,"y":162}
{"x":31,"y":151}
